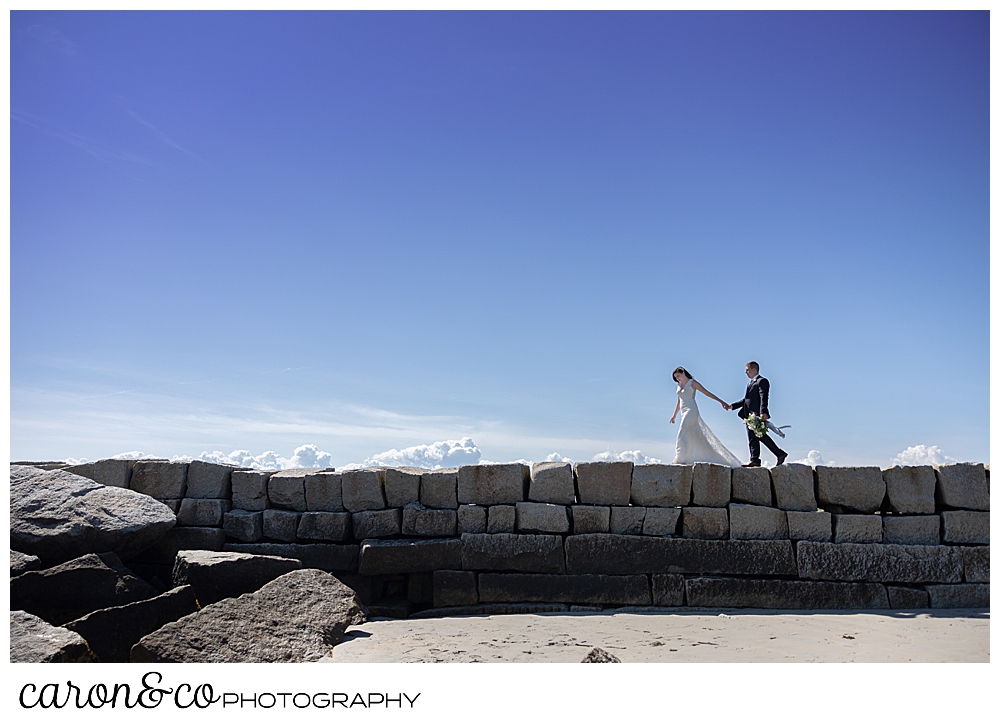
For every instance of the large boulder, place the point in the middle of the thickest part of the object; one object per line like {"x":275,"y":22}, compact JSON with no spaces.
{"x":910,"y":490}
{"x":21,"y":563}
{"x":32,"y":640}
{"x":58,"y":516}
{"x":218,"y":575}
{"x":604,"y":483}
{"x":963,"y":486}
{"x":492,"y":484}
{"x":860,"y":489}
{"x":298,"y":617}
{"x":878,"y":562}
{"x":552,"y":482}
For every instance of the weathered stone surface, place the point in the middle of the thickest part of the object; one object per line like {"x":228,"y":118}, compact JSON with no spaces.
{"x":112,"y":632}
{"x":784,"y":594}
{"x":753,"y":522}
{"x":439,"y":489}
{"x":174,"y":505}
{"x":907,"y":598}
{"x":243,"y":525}
{"x":705,"y":523}
{"x":668,"y":590}
{"x":711,"y":485}
{"x":281,"y":525}
{"x":250,"y":489}
{"x":363,"y":489}
{"x":516,"y":553}
{"x":959,"y":596}
{"x":377,"y":523}
{"x":860,"y":489}
{"x":110,"y":472}
{"x":420,"y":588}
{"x":324,"y":492}
{"x":580,"y":589}
{"x":793,"y":487}
{"x":492,"y":484}
{"x":501,"y":518}
{"x":202,"y":512}
{"x":218,"y":575}
{"x":165,"y":549}
{"x":32,"y":640}
{"x":963,"y":486}
{"x":660,"y":521}
{"x":287,"y":489}
{"x":67,"y":591}
{"x":911,"y":530}
{"x":208,"y":480}
{"x":332,"y":526}
{"x":857,"y":528}
{"x":396,"y":557}
{"x":661,"y":485}
{"x":454,"y":587}
{"x":976,"y":561}
{"x":420,"y":521}
{"x":752,"y":485}
{"x":599,"y":655}
{"x":627,"y":520}
{"x":159,"y":478}
{"x":963,"y":527}
{"x":541,"y":517}
{"x":879,"y":563}
{"x":57,"y":516}
{"x":552,"y":482}
{"x":471,"y":518}
{"x":329,"y":557}
{"x":402,"y":486}
{"x":603,"y":483}
{"x":295,"y":618}
{"x":910,"y":490}
{"x":813,"y":526}
{"x":628,"y":554}
{"x":19,"y":563}
{"x":492,"y":609}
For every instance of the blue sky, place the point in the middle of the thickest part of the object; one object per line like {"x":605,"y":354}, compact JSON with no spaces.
{"x":369,"y":231}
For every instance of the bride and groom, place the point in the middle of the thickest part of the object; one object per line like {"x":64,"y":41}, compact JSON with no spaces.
{"x":697,"y":443}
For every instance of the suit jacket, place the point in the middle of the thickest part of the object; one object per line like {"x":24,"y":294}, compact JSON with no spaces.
{"x":755,"y":399}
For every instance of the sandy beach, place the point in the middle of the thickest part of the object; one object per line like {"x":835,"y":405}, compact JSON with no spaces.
{"x":745,"y":636}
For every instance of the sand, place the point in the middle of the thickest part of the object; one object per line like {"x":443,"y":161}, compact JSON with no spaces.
{"x":682,"y":637}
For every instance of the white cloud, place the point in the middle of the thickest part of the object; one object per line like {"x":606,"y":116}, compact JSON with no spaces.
{"x":634,"y":456}
{"x":814,"y":459}
{"x":921,"y":454}
{"x":449,"y":453}
{"x":556,"y":457}
{"x":134,"y":455}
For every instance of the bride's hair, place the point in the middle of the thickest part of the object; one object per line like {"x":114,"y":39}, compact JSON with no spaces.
{"x":682,"y":370}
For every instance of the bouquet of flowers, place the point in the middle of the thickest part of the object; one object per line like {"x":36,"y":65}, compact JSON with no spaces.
{"x":757,"y":425}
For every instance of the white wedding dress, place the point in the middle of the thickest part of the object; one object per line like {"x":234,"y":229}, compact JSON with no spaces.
{"x":695,"y":441}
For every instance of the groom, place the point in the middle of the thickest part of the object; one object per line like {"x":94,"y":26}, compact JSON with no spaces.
{"x":755,"y":400}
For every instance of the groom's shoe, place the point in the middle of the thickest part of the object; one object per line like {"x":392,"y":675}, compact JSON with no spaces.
{"x":752,"y":463}
{"x":781,"y":459}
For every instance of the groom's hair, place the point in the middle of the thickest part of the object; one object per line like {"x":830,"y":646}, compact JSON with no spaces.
{"x":754,"y":365}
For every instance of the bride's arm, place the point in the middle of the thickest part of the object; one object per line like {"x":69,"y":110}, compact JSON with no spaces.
{"x":700,"y":388}
{"x":676,"y":407}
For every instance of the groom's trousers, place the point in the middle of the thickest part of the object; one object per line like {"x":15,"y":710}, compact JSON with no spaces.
{"x":755,"y":445}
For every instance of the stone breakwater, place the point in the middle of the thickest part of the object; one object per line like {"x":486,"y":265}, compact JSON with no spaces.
{"x":555,"y":536}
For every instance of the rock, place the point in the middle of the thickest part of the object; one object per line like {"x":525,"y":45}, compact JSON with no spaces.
{"x":705,"y":523}
{"x":243,"y":525}
{"x":907,"y":598}
{"x":471,"y":518}
{"x":632,"y":555}
{"x":400,"y":557}
{"x":963,"y":527}
{"x":963,"y":486}
{"x":377,"y":523}
{"x":552,"y":482}
{"x":857,"y":528}
{"x":328,"y":557}
{"x":250,"y":490}
{"x":109,"y":472}
{"x":112,"y":632}
{"x":287,"y":489}
{"x":281,"y":525}
{"x":32,"y":640}
{"x":603,"y":483}
{"x":167,"y":480}
{"x":598,"y":655}
{"x":793,"y":487}
{"x":57,"y":516}
{"x":164,"y":550}
{"x":541,"y":517}
{"x":627,"y":520}
{"x":516,"y":553}
{"x":711,"y":485}
{"x":976,"y":562}
{"x":959,"y":596}
{"x":911,"y":530}
{"x":492,"y":609}
{"x":174,"y":505}
{"x":668,"y":590}
{"x":402,"y":486}
{"x":752,"y":485}
{"x":590,"y":519}
{"x":454,"y":587}
{"x":210,"y":481}
{"x":861,"y":489}
{"x":578,"y":589}
{"x":202,"y":512}
{"x":333,"y":526}
{"x":75,"y":588}
{"x":501,"y":518}
{"x":420,"y":588}
{"x":753,"y":522}
{"x":910,"y":490}
{"x":660,"y":521}
{"x":363,"y":490}
{"x":296,"y":618}
{"x":492,"y":484}
{"x":730,"y":592}
{"x":812,"y":526}
{"x":324,"y":492}
{"x":879,"y":563}
{"x":439,"y":489}
{"x":661,"y":485}
{"x":218,"y":575}
{"x":20,"y":563}
{"x":422,"y":522}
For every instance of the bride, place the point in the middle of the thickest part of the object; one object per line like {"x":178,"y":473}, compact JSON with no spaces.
{"x":695,"y":441}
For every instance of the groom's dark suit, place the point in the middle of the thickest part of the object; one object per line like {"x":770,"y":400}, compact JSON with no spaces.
{"x":755,"y":400}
